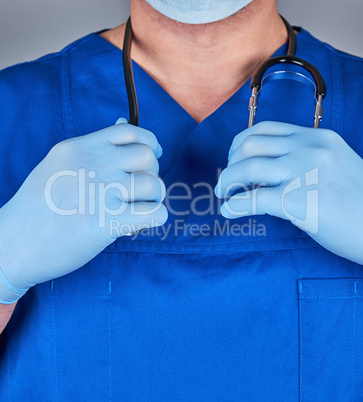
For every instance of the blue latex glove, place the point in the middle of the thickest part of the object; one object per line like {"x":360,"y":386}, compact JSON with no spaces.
{"x":308,"y":176}
{"x":52,"y":226}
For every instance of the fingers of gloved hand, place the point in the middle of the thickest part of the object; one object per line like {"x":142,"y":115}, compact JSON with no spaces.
{"x":261,"y":171}
{"x":123,"y":133}
{"x":135,"y":158}
{"x":264,"y":128}
{"x":137,"y":216}
{"x":260,"y":145}
{"x":264,"y":200}
{"x":143,"y":186}
{"x":122,"y":120}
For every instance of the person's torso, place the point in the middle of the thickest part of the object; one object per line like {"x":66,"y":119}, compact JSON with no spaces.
{"x":202,"y":308}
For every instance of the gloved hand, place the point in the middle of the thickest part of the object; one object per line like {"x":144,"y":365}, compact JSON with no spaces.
{"x":309,"y":176}
{"x":76,"y":202}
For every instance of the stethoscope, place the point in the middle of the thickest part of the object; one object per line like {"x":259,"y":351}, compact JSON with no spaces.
{"x":256,"y":82}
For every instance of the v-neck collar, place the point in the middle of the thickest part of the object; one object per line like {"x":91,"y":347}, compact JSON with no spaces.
{"x":140,"y":71}
{"x":159,"y":111}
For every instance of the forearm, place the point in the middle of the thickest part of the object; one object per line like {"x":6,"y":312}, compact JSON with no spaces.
{"x":6,"y":310}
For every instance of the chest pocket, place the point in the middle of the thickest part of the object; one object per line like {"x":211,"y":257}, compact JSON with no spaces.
{"x":331,"y":339}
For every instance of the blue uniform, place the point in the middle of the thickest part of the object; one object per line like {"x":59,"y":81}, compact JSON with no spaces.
{"x":205,"y":309}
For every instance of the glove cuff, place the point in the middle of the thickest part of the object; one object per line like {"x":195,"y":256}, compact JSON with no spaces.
{"x":9,"y":294}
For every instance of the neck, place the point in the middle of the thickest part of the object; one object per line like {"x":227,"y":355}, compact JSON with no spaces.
{"x":202,"y":65}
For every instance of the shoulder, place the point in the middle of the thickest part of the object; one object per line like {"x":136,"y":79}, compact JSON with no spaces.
{"x":348,"y":63}
{"x":36,"y":90}
{"x":39,"y":73}
{"x":34,"y":111}
{"x":33,"y":106}
{"x":343,"y":74}
{"x":343,"y":71}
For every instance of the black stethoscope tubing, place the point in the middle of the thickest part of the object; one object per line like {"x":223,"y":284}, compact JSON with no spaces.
{"x":129,"y":76}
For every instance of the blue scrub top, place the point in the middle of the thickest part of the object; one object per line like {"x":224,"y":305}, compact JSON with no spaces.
{"x":260,"y":312}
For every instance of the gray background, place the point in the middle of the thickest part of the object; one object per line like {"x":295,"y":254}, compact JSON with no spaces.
{"x":32,"y":28}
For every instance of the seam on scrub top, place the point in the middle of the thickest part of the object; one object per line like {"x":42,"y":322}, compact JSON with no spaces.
{"x":353,"y":357}
{"x":337,"y":104}
{"x":341,"y":114}
{"x":332,"y":297}
{"x":54,"y":342}
{"x":239,"y":243}
{"x":204,"y":247}
{"x":332,"y":49}
{"x":204,"y":250}
{"x":68,"y":49}
{"x":109,"y":342}
{"x":248,"y":241}
{"x":61,"y":84}
{"x":75,"y":46}
{"x":66,"y":98}
{"x":339,"y":53}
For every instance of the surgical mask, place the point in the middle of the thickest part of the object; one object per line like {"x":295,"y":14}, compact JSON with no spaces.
{"x":198,"y":11}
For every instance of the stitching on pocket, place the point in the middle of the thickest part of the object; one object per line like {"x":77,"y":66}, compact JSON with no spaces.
{"x":353,"y":358}
{"x":300,"y":349}
{"x":54,"y":343}
{"x":332,"y":297}
{"x":109,"y":343}
{"x":343,"y":285}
